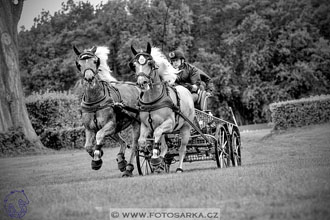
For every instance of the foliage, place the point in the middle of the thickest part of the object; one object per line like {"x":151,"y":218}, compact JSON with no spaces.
{"x":55,"y":110}
{"x":14,"y":142}
{"x":69,"y":138}
{"x":72,"y":138}
{"x":257,"y":51}
{"x":296,"y":113}
{"x":56,"y":118}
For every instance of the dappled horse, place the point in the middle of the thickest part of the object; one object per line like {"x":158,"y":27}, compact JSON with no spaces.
{"x":103,"y":107}
{"x":162,"y":106}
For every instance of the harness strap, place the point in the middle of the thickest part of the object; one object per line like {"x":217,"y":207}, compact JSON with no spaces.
{"x":176,"y":107}
{"x":104,"y":102}
{"x":193,"y":125}
{"x":121,"y":106}
{"x":150,"y":122}
{"x":95,"y":122}
{"x":126,"y":107}
{"x":123,"y":82}
{"x":164,"y":100}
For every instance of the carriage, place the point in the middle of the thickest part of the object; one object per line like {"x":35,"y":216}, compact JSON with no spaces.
{"x":211,"y":138}
{"x":180,"y":133}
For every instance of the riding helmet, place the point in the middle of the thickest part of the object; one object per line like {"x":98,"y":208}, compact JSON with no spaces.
{"x":176,"y":55}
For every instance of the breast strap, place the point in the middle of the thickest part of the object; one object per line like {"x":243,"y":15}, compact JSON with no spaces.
{"x":164,"y":100}
{"x":111,"y":96}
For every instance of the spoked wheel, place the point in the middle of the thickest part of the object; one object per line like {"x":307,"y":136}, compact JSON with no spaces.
{"x":222,"y":151}
{"x":236,"y":149}
{"x":143,"y":162}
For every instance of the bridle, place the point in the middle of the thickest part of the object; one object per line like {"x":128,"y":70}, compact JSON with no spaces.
{"x":144,"y":58}
{"x":85,"y":56}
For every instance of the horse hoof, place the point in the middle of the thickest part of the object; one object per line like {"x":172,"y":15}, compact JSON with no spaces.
{"x":156,"y":161}
{"x":159,"y":169}
{"x":96,"y":164}
{"x":158,"y":164}
{"x":121,"y":162}
{"x":127,"y":173}
{"x":179,"y":170}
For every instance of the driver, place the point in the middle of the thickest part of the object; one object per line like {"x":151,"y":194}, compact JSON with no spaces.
{"x":188,"y":76}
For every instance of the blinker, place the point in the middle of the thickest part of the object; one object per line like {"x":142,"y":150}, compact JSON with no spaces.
{"x":142,"y":60}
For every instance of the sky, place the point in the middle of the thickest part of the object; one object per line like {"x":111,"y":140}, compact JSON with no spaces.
{"x":32,"y":8}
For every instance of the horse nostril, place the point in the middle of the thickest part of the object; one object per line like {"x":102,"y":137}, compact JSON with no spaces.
{"x":91,"y":79}
{"x":140,"y":80}
{"x":89,"y":76}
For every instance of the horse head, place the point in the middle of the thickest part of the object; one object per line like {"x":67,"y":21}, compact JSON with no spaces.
{"x":150,"y":66}
{"x":91,"y":63}
{"x":143,"y":65}
{"x":87,"y":63}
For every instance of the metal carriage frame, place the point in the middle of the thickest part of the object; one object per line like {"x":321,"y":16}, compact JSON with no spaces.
{"x":211,"y":138}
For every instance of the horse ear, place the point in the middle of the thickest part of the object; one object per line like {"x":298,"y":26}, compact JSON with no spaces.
{"x":133,"y":50}
{"x":148,"y":48}
{"x":93,"y":50}
{"x":76,"y":50}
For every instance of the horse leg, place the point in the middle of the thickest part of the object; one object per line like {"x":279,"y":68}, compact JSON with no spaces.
{"x":107,"y":129}
{"x":89,"y":136}
{"x":159,"y":162}
{"x":185,"y":135}
{"x":144,"y":132}
{"x":121,"y":155}
{"x":166,"y":126}
{"x":135,"y":135}
{"x":96,"y":154}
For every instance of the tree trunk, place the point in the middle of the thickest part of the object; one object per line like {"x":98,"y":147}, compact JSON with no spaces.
{"x":13,"y":112}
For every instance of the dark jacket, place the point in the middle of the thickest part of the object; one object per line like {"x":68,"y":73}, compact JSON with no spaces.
{"x":209,"y":87}
{"x":188,"y":76}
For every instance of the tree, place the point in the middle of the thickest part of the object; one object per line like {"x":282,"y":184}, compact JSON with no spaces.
{"x":257,"y":51}
{"x":13,"y":112}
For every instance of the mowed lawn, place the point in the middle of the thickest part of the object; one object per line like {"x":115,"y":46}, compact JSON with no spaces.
{"x":284,"y":176}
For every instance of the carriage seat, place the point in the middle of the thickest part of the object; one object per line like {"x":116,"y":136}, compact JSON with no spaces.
{"x":202,"y":99}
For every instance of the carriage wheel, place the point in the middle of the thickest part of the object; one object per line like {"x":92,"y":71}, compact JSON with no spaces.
{"x":236,"y":149}
{"x":222,"y":151}
{"x":143,"y":163}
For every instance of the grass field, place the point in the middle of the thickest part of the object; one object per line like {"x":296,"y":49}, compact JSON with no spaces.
{"x":284,"y":176}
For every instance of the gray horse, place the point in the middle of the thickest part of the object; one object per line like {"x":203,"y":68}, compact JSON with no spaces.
{"x":107,"y":107}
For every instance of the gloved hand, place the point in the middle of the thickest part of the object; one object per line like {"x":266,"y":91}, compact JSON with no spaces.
{"x":194,"y":88}
{"x":209,"y":93}
{"x":188,"y":86}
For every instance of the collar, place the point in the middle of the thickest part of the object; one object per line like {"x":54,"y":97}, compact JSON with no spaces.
{"x":164,"y":100}
{"x":111,"y":95}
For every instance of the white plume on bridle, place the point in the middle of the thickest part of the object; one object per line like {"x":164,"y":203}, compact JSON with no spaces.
{"x":104,"y":70}
{"x":166,"y":71}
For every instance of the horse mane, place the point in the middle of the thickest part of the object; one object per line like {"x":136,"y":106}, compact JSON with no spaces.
{"x":166,"y":71}
{"x":104,"y":70}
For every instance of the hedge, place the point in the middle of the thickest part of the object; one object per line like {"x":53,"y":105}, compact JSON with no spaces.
{"x":53,"y":110}
{"x":56,"y":118}
{"x":301,"y":112}
{"x":71,"y":138}
{"x":13,"y":143}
